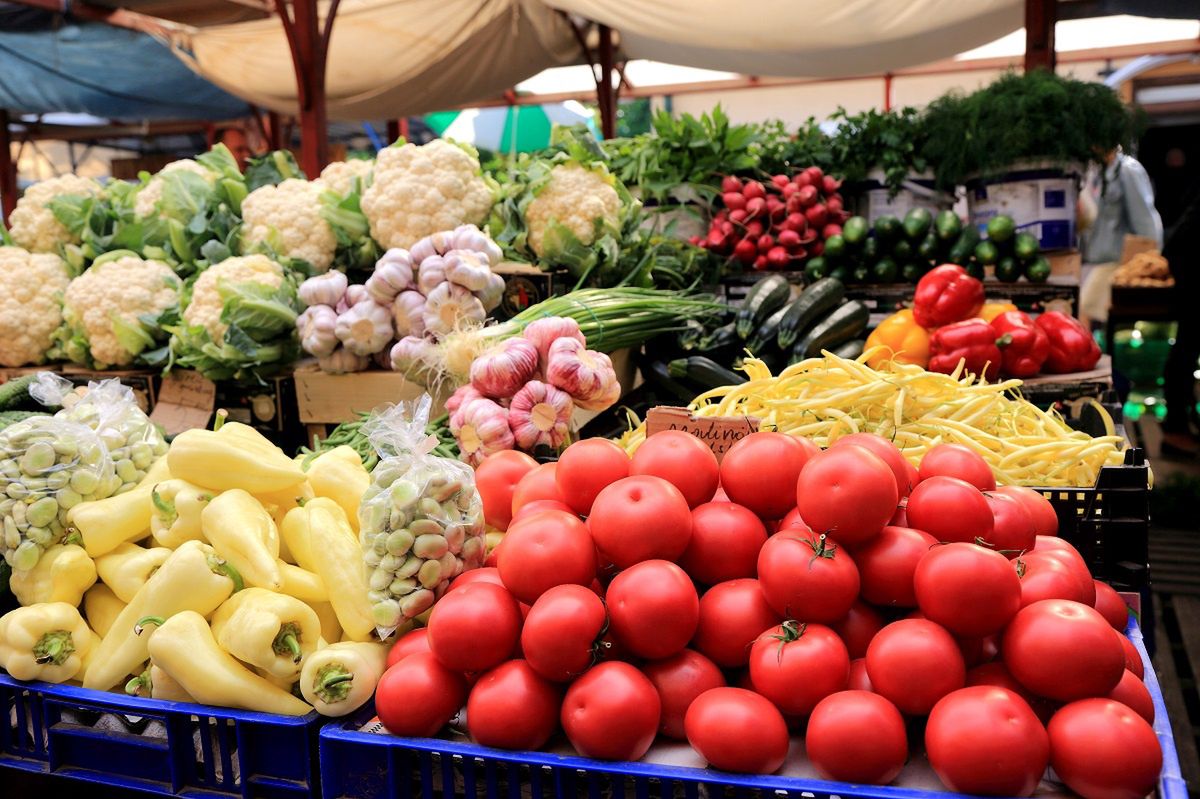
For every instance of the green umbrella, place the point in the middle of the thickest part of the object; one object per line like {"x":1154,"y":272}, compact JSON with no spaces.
{"x":509,"y":129}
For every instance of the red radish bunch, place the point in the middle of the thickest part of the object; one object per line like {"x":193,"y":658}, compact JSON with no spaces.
{"x":778,"y":224}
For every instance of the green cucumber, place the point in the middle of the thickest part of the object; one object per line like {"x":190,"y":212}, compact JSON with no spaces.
{"x":846,"y":322}
{"x":813,"y":303}
{"x":949,"y":227}
{"x":763,"y":299}
{"x":704,"y":371}
{"x":964,"y":247}
{"x":917,"y":223}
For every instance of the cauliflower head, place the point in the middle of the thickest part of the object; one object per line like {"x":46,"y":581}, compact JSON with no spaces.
{"x":576,"y":198}
{"x":104,"y":306}
{"x":204,"y":308}
{"x":149,"y":195}
{"x":33,"y":225}
{"x":288,"y":218}
{"x":31,"y":287}
{"x":339,"y":176}
{"x":418,"y":191}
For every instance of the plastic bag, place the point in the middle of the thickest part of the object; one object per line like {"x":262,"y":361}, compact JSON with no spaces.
{"x":420,"y":520}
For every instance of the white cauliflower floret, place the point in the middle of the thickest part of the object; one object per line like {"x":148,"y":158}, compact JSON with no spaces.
{"x":33,"y":225}
{"x":205,"y":306}
{"x":288,"y":217}
{"x":151,"y":193}
{"x":575,"y":197}
{"x":339,"y":176}
{"x":418,"y":191}
{"x":122,"y":289}
{"x":31,"y":287}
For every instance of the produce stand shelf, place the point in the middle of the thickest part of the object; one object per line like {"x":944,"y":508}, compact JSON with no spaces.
{"x":365,"y":765}
{"x":168,"y":748}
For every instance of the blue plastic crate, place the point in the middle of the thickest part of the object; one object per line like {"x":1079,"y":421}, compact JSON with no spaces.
{"x":362,"y":765}
{"x":170,"y":748}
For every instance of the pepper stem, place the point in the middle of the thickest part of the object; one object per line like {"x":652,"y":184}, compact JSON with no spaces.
{"x":142,"y":681}
{"x":223,"y":567}
{"x":219,"y":419}
{"x":287,"y":642}
{"x":333,"y":683}
{"x":54,"y":648}
{"x":142,"y":622}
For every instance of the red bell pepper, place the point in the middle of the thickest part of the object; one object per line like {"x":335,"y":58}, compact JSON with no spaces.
{"x":972,"y":341}
{"x":1022,"y":344}
{"x":946,"y":294}
{"x":1072,"y":348}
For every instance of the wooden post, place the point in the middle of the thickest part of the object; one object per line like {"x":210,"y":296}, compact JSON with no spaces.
{"x":393,"y":130}
{"x":887,"y":91}
{"x":309,"y":43}
{"x":8,"y":169}
{"x":274,"y":130}
{"x":605,"y":97}
{"x":1040,"y":16}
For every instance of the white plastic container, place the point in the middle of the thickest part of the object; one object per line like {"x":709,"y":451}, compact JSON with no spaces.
{"x":874,"y":199}
{"x":1039,"y":196}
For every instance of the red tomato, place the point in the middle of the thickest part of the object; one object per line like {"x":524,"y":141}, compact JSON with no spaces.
{"x":611,"y":712}
{"x":797,"y":665}
{"x":949,"y":509}
{"x":792,"y":520}
{"x":859,"y":679}
{"x":1133,"y":658}
{"x":640,"y":518}
{"x":539,"y":505}
{"x":837,"y":746}
{"x":1045,"y":576}
{"x":886,"y":451}
{"x":1063,"y":650}
{"x":544,"y":550}
{"x":1069,"y":555}
{"x":586,"y":467}
{"x":724,"y":545}
{"x":410,"y":643}
{"x":732,"y":616}
{"x":1103,"y":750}
{"x":682,"y":460}
{"x":1133,"y":694}
{"x":538,"y":483}
{"x":967,"y":589}
{"x":900,"y":517}
{"x":653,"y":609}
{"x":1041,"y":510}
{"x":679,"y":679}
{"x":978,"y":649}
{"x":474,"y":628}
{"x":807,"y":576}
{"x":766,"y":492}
{"x":418,"y":696}
{"x":995,"y":674}
{"x":914,"y":663}
{"x":955,"y":460}
{"x":513,"y":707}
{"x":858,"y":627}
{"x":562,"y":635}
{"x":484,"y":574}
{"x":848,"y":492}
{"x":497,"y":478}
{"x":986,"y":741}
{"x":1111,"y":606}
{"x":1012,"y":526}
{"x":887,"y":563}
{"x":737,"y":730}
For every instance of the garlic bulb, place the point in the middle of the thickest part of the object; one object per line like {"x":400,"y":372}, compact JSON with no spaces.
{"x":540,"y":414}
{"x":492,"y":293}
{"x":481,"y":427}
{"x":327,"y":289}
{"x":393,"y":274}
{"x":342,"y":361}
{"x":467,"y":269}
{"x":584,"y":374}
{"x":435,"y":244}
{"x":504,"y":368}
{"x":431,"y":274}
{"x":544,"y":332}
{"x":412,"y":356}
{"x":448,"y":306}
{"x":470,"y":237}
{"x":408,"y":314}
{"x":461,"y":396}
{"x":353,"y":296}
{"x":316,"y":328}
{"x":365,"y":328}
{"x":607,"y":397}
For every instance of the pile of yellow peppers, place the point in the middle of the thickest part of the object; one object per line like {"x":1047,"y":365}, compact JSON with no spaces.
{"x":229,"y":576}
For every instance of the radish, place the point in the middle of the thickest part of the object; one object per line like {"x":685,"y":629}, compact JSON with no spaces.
{"x":817,"y":215}
{"x":727,"y":228}
{"x":755,"y":207}
{"x":815,"y":175}
{"x":745,"y":251}
{"x":802,"y":178}
{"x":793,"y":203}
{"x":754,"y":229}
{"x":765,"y":242}
{"x":816,"y":248}
{"x":789,"y":190}
{"x":830,"y":184}
{"x":780,"y":180}
{"x":737,"y":217}
{"x":796,"y":221}
{"x":778,"y":257}
{"x":831,"y":230}
{"x":695,"y":241}
{"x":776,"y":210}
{"x":834,"y":203}
{"x":789,"y":239}
{"x":731,"y":183}
{"x":734,"y":200}
{"x":760,"y":263}
{"x":808,"y":196}
{"x":716,"y":239}
{"x":841,"y":216}
{"x":754,"y":189}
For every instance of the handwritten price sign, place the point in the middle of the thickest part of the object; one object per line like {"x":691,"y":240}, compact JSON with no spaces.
{"x":718,"y":432}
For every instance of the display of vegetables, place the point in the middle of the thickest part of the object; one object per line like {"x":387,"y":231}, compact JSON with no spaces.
{"x":31,"y":309}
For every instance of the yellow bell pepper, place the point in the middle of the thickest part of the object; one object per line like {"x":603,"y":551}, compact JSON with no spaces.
{"x":192,"y":578}
{"x":62,"y":574}
{"x":107,"y":523}
{"x":340,"y":566}
{"x":274,"y":632}
{"x":184,"y":647}
{"x":340,"y":678}
{"x":101,"y":607}
{"x":157,"y":684}
{"x":127,"y":568}
{"x":243,"y":533}
{"x":991,"y":310}
{"x":903,"y":339}
{"x":44,"y":642}
{"x":331,"y":629}
{"x":176,"y":515}
{"x":221,"y":461}
{"x":302,"y":584}
{"x":339,"y":474}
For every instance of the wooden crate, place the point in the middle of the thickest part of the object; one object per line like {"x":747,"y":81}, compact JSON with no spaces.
{"x":324,"y":400}
{"x":1065,"y":263}
{"x":143,"y":382}
{"x":13,"y":372}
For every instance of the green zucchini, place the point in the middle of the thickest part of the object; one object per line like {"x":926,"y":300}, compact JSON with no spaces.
{"x":851,"y":349}
{"x":16,"y":391}
{"x":764,"y":299}
{"x":764,"y":336}
{"x":660,"y":378}
{"x":814,"y":302}
{"x":846,"y":322}
{"x":704,"y":371}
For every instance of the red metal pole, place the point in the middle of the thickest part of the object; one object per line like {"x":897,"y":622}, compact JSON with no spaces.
{"x":8,"y":169}
{"x":1040,"y":16}
{"x":310,"y":47}
{"x":887,"y":91}
{"x":604,"y":86}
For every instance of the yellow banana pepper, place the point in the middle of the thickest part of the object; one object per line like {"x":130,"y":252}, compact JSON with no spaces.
{"x":243,"y":533}
{"x":248,"y":436}
{"x":340,"y":678}
{"x":904,"y":341}
{"x":339,"y":474}
{"x":127,"y":568}
{"x":274,"y":632}
{"x":101,"y":608}
{"x":331,"y":629}
{"x":157,"y":473}
{"x":184,"y":647}
{"x":302,"y":584}
{"x":107,"y":523}
{"x":192,"y":578}
{"x":62,"y":574}
{"x":44,"y":642}
{"x":340,"y":566}
{"x":294,"y":535}
{"x":157,"y":684}
{"x":176,"y":515}
{"x":221,"y":461}
{"x":279,"y":504}
{"x":991,"y":310}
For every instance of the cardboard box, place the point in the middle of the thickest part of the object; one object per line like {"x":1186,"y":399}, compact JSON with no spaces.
{"x":1066,"y":263}
{"x":322,"y":398}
